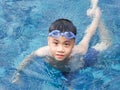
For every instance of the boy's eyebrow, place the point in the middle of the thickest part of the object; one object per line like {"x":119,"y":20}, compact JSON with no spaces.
{"x":55,"y":39}
{"x":67,"y":42}
{"x":64,"y":41}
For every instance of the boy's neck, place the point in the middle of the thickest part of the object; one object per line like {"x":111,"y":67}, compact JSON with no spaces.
{"x":60,"y":65}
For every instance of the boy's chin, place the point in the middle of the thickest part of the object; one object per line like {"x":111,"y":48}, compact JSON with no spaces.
{"x":59,"y":59}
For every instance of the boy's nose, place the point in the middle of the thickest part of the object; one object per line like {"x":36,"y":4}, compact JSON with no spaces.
{"x":60,"y":48}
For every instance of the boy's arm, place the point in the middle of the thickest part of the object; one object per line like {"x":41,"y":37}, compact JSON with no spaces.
{"x":83,"y":45}
{"x":105,"y":39}
{"x":43,"y":51}
{"x":16,"y":75}
{"x":40,"y":52}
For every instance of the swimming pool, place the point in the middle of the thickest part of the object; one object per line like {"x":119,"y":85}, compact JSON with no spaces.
{"x":23,"y":29}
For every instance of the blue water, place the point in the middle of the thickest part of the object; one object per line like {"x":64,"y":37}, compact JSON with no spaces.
{"x":24,"y":28}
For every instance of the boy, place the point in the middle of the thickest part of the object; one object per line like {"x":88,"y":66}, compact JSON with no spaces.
{"x":62,"y":53}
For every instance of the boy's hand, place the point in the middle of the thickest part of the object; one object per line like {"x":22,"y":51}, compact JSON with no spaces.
{"x":91,"y":12}
{"x":94,"y":12}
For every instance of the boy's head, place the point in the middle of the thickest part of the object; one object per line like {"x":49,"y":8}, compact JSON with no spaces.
{"x":63,"y":25}
{"x":62,"y":34}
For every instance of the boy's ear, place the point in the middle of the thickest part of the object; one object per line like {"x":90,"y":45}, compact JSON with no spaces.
{"x":74,"y":41}
{"x":48,"y":40}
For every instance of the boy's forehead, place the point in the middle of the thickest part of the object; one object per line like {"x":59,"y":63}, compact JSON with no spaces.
{"x":61,"y":38}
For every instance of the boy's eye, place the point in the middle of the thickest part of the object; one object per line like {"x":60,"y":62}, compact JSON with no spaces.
{"x":55,"y":43}
{"x":67,"y":44}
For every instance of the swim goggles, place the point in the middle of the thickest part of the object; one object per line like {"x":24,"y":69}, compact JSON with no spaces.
{"x":57,"y":33}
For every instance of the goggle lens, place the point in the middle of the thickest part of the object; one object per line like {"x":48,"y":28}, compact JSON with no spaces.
{"x":57,"y":33}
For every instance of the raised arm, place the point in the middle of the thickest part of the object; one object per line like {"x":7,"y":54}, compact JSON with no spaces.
{"x":104,"y":34}
{"x":90,"y":31}
{"x":105,"y":39}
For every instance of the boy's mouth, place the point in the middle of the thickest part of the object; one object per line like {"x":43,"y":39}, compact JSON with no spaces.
{"x":60,"y":56}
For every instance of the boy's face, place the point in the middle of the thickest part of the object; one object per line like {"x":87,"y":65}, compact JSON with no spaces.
{"x":60,"y":48}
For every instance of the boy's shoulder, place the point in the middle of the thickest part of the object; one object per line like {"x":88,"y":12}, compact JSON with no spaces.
{"x":79,"y":49}
{"x":89,"y":58}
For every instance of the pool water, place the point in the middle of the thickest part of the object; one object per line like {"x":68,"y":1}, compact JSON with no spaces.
{"x":24,"y":28}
